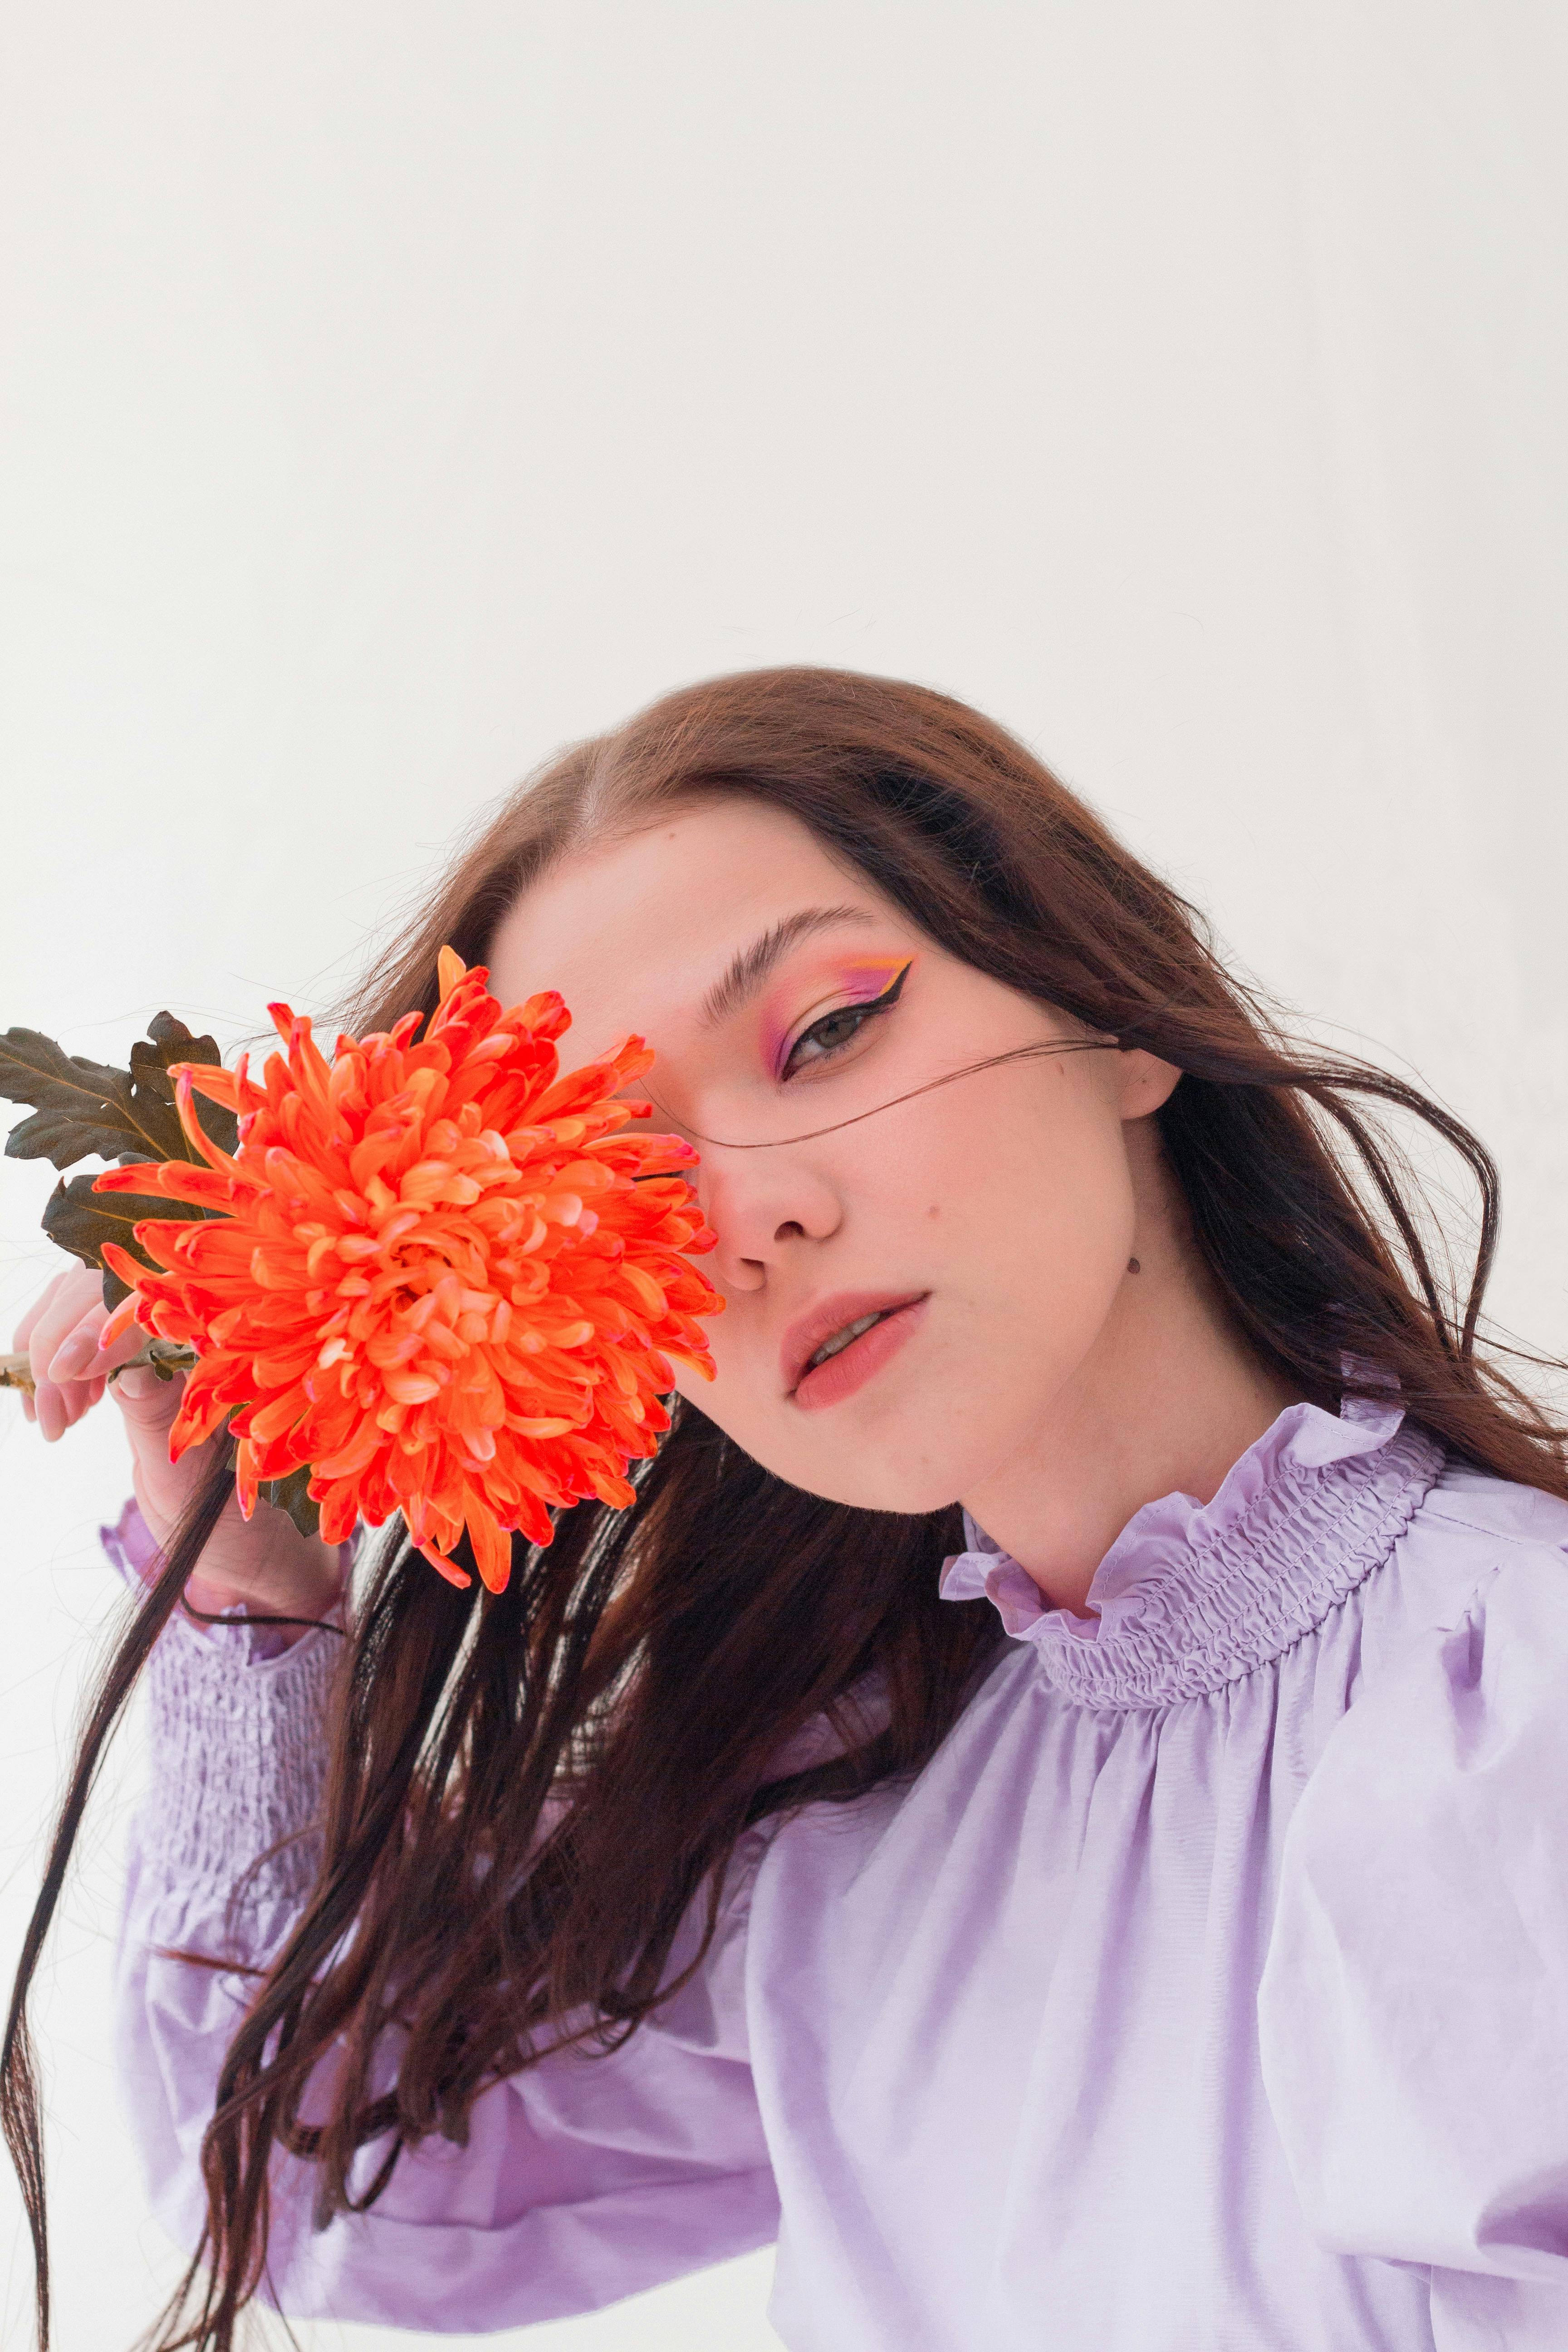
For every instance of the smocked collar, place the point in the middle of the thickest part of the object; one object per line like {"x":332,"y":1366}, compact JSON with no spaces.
{"x":1193,"y":1595}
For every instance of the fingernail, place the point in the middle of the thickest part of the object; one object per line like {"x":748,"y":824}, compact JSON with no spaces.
{"x":71,"y":1356}
{"x":51,"y":1409}
{"x":136,"y":1383}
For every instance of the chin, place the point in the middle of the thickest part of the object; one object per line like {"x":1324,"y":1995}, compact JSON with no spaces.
{"x":909,"y":1457}
{"x":894,"y":1494}
{"x":908,"y":1478}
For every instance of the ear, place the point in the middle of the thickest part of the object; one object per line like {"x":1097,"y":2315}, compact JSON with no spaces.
{"x":1144,"y":1082}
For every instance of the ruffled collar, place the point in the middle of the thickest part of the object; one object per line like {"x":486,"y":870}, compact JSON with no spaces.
{"x":1193,"y":1595}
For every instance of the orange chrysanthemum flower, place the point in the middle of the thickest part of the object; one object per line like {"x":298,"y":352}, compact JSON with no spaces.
{"x":437,"y":1274}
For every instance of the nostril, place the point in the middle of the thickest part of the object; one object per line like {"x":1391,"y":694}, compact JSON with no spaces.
{"x":792,"y":1230}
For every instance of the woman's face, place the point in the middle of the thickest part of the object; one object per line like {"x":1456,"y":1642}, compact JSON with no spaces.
{"x":977,"y":1238}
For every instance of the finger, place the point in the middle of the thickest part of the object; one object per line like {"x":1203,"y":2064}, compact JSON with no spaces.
{"x":66,"y":1295}
{"x":69,"y":1294}
{"x":78,"y":1397}
{"x":130,"y":1342}
{"x":79,"y":1347}
{"x":50,"y":1408}
{"x":81,"y":1354}
{"x":147,"y":1402}
{"x":68,"y":1374}
{"x":61,"y":1404}
{"x":67,"y":1301}
{"x":22,"y":1339}
{"x":60,"y":1307}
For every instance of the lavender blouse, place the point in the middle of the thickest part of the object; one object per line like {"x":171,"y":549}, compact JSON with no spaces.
{"x":1209,"y":1987}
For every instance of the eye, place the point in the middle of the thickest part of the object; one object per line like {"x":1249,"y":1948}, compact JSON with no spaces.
{"x":833,"y":1031}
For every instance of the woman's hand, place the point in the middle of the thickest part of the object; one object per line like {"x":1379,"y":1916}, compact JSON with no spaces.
{"x":264,"y":1565}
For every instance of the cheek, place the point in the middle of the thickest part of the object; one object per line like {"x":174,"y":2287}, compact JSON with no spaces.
{"x":1018,"y":1216}
{"x":731,"y":1399}
{"x":1069,"y":1212}
{"x":1015,"y":1161}
{"x":1037,"y":1200}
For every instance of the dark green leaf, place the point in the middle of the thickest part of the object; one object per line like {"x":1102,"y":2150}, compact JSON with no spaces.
{"x":168,"y":1042}
{"x":175,"y":1042}
{"x":83,"y":1109}
{"x":82,"y":1220}
{"x":289,"y":1495}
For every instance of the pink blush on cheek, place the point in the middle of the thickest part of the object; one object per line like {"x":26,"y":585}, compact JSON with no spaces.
{"x":859,"y":980}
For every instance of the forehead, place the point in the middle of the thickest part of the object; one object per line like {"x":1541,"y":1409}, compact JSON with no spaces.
{"x":636,"y":930}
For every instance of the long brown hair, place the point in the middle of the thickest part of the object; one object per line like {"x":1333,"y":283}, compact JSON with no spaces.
{"x":649,"y":1667}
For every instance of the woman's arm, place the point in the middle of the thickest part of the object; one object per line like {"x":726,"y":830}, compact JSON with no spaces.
{"x":1414,"y":2008}
{"x":583,"y":2180}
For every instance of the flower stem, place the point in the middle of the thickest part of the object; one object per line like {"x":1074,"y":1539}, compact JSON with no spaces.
{"x":166,"y":1358}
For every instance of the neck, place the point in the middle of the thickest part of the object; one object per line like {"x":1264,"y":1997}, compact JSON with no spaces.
{"x":1166,"y":1401}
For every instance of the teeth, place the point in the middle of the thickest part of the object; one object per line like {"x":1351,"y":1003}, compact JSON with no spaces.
{"x":841,"y":1339}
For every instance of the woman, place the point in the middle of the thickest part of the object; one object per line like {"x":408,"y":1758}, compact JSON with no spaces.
{"x":1050,"y":1802}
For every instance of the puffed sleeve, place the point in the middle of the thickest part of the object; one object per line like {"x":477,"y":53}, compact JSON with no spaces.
{"x":584,"y":2180}
{"x":1413,"y":2006}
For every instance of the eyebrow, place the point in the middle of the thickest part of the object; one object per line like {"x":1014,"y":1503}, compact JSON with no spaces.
{"x":754,"y":964}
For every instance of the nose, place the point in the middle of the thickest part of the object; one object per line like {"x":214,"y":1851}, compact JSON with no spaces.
{"x":763,"y":1207}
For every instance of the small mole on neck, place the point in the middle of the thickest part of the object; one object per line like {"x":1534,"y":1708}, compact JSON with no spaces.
{"x":1133,"y":1266}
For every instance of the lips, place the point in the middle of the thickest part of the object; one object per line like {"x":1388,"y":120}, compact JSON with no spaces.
{"x":829,"y":1320}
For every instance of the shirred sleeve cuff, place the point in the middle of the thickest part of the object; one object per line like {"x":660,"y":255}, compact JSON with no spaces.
{"x":239,"y":1762}
{"x":238,"y":1736}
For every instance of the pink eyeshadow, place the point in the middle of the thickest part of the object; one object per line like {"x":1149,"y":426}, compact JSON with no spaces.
{"x":859,"y":980}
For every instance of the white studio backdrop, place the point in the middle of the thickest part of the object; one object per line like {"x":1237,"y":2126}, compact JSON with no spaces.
{"x":393,"y":391}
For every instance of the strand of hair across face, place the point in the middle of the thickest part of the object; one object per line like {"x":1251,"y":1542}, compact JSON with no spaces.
{"x":991,"y":1062}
